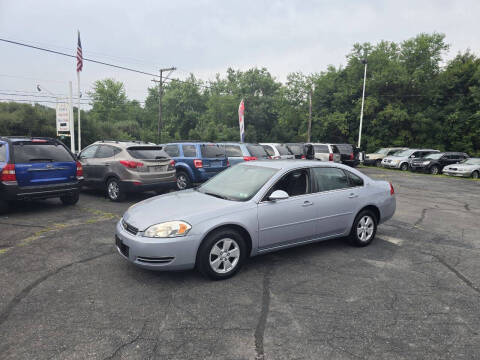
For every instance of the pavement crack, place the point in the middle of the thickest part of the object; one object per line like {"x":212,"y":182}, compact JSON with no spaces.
{"x":124,"y":345}
{"x":262,"y":320}
{"x":422,"y":217}
{"x":457,"y":273}
{"x":24,"y":293}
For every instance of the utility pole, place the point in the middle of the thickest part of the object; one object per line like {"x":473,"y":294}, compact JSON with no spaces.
{"x":364,"y":61}
{"x":160,"y":94}
{"x":72,"y":120}
{"x":309,"y":131}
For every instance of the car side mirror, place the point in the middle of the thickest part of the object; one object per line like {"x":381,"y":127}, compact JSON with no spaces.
{"x":278,"y":195}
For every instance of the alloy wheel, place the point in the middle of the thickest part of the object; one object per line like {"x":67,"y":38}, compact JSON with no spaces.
{"x":224,"y":256}
{"x":434,"y":170}
{"x":475,"y":175}
{"x":365,"y":228}
{"x":182,"y":182}
{"x":113,"y":190}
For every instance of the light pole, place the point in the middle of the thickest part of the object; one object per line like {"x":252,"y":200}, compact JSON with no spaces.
{"x":364,"y":61}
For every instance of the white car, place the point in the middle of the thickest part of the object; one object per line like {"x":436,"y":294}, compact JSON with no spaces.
{"x":277,"y":151}
{"x":467,"y":168}
{"x":323,"y":152}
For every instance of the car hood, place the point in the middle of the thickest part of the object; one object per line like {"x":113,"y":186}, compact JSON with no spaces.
{"x":375,"y":156}
{"x":463,"y":166}
{"x":188,"y":205}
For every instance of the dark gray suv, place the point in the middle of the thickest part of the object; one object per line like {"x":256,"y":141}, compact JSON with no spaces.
{"x":121,"y":167}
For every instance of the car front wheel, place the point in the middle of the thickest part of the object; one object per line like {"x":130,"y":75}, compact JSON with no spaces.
{"x":434,"y":170}
{"x":475,"y":174}
{"x":404,"y":167}
{"x":222,"y":254}
{"x":378,"y":163}
{"x":364,"y":229}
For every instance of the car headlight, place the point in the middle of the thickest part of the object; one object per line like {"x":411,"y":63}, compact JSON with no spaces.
{"x":168,"y":229}
{"x":426,"y":162}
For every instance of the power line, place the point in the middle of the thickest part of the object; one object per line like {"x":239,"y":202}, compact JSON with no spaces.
{"x":41,"y":96}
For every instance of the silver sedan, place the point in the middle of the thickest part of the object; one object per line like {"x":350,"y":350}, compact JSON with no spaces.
{"x":467,"y":168}
{"x":251,"y":209}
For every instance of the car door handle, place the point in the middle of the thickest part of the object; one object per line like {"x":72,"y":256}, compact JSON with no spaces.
{"x":307,"y":203}
{"x":352,"y":196}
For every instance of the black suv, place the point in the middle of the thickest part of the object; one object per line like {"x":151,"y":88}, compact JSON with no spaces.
{"x":37,"y":168}
{"x":434,"y":163}
{"x":349,"y":154}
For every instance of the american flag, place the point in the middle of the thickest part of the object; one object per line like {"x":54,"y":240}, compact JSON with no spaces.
{"x":79,"y":55}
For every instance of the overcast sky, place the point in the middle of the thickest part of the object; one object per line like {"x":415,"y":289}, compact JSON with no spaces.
{"x":205,"y":37}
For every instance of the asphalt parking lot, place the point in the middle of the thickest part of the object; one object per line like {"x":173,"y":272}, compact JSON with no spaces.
{"x":413,"y":294}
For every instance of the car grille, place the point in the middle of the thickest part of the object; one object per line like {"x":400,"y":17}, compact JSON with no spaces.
{"x":160,"y":260}
{"x":131,"y":229}
{"x":124,"y":249}
{"x":453,"y":169}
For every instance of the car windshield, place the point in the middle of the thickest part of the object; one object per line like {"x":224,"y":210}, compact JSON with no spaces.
{"x":147,"y":152}
{"x":404,"y":153}
{"x":383,"y":151}
{"x":471,"y":161}
{"x":434,"y":156}
{"x":238,"y":183}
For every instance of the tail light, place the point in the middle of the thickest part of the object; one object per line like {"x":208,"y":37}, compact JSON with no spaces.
{"x":392,"y":190}
{"x":330,"y":157}
{"x":171,"y":165}
{"x":131,"y":164}
{"x":302,"y":157}
{"x":8,"y":173}
{"x":351,"y":156}
{"x":249,"y":158}
{"x":198,"y":163}
{"x":228,"y":163}
{"x":79,"y":169}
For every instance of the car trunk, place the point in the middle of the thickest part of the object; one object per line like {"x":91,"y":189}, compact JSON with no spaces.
{"x":42,"y":162}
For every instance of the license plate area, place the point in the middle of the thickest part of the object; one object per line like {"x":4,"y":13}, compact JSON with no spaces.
{"x":157,"y":168}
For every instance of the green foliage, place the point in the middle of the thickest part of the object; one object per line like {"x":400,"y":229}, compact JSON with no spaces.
{"x":413,"y":98}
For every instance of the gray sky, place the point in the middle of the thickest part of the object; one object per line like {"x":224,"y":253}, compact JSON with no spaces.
{"x":208,"y":36}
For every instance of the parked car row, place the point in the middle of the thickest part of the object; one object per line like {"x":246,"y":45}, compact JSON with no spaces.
{"x":426,"y":160}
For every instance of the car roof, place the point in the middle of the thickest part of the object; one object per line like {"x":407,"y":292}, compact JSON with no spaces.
{"x":124,"y":143}
{"x":25,"y":138}
{"x":290,"y":164}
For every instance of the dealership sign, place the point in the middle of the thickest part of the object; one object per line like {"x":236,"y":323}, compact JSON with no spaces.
{"x":63,"y":117}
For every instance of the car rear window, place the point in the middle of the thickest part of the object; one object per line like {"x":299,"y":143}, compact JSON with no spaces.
{"x":212,"y":151}
{"x":147,"y":152}
{"x":3,"y":153}
{"x":283,"y":150}
{"x":233,"y":151}
{"x":345,"y":148}
{"x":296,"y":149}
{"x":31,"y":152}
{"x":257,"y":151}
{"x":321,"y":148}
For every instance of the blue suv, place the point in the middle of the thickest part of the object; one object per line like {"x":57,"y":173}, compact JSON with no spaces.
{"x":196,"y":162}
{"x":37,"y":168}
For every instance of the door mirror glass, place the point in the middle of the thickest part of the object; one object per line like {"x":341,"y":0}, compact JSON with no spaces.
{"x":278,"y":195}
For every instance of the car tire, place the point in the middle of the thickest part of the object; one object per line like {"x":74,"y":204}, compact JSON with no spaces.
{"x":404,"y":166}
{"x":475,"y":174}
{"x":218,"y":250}
{"x":378,"y":163}
{"x":183,"y":180}
{"x":114,"y":190}
{"x":434,"y":170}
{"x":4,"y":206}
{"x":363,"y":229}
{"x":70,"y":199}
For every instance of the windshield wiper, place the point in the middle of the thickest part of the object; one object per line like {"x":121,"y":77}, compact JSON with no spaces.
{"x":217,"y":195}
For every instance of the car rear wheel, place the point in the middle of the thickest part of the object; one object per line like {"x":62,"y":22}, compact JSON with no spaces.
{"x":364,"y":228}
{"x":475,"y":174}
{"x":434,"y":170}
{"x":183,"y":180}
{"x":114,"y":190}
{"x":222,"y":254}
{"x":70,"y":199}
{"x":404,"y":166}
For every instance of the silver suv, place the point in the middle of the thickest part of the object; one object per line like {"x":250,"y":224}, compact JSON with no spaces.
{"x":323,"y":152}
{"x":121,"y":167}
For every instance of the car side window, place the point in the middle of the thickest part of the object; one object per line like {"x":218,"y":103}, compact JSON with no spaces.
{"x":116,"y":150}
{"x":233,"y":151}
{"x":391,"y":152}
{"x":330,"y":178}
{"x":172,"y":150}
{"x":189,"y":150}
{"x":355,"y":180}
{"x":269,"y":150}
{"x":105,"y":151}
{"x":3,"y":153}
{"x":294,"y":183}
{"x":89,"y":152}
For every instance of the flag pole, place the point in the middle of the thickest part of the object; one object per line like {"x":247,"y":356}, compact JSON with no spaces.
{"x":78,"y":108}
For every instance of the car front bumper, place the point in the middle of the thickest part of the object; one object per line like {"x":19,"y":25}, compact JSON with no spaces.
{"x":157,"y":253}
{"x":457,"y":173}
{"x":391,"y":165}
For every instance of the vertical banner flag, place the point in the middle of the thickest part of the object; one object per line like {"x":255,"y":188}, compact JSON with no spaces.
{"x":241,"y":118}
{"x":79,"y":68}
